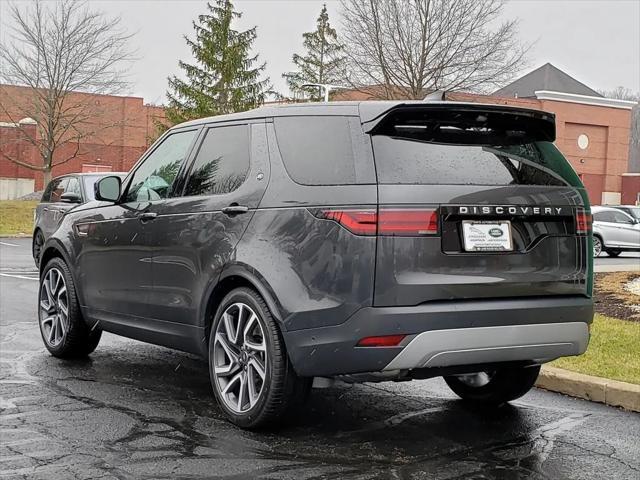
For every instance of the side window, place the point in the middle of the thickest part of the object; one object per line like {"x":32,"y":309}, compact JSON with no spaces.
{"x":222,"y":162}
{"x":58,"y":189}
{"x":619,"y":217}
{"x":326,"y":150}
{"x":153,"y":179}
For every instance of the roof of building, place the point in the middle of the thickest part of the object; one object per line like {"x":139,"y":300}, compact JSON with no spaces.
{"x":547,"y":77}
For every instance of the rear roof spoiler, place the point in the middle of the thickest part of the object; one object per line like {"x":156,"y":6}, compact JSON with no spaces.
{"x":378,"y":117}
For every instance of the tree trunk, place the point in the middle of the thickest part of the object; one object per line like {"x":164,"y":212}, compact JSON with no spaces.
{"x":47,"y":177}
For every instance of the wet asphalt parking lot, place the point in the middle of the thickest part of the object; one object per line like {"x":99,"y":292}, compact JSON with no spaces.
{"x":139,"y":411}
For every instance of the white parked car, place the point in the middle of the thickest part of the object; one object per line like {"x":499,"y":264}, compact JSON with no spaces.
{"x":614,"y":231}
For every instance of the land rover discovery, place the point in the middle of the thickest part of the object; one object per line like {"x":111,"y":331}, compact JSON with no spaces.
{"x":356,"y":241}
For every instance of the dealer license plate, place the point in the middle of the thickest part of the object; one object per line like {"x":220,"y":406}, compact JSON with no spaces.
{"x":487,"y":236}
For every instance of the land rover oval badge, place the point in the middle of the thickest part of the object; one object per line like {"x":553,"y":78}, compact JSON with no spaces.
{"x":496,"y":232}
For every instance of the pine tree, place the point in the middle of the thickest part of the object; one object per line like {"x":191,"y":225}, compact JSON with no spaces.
{"x":225,"y":78}
{"x":324,"y":61}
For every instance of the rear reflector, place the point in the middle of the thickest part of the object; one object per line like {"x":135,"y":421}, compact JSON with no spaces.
{"x":383,"y":341}
{"x":398,"y":222}
{"x":583,"y":222}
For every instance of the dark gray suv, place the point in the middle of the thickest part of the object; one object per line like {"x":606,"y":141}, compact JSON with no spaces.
{"x":354,"y":241}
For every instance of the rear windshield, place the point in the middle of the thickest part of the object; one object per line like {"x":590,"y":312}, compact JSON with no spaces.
{"x":469,"y":145}
{"x":407,"y":161}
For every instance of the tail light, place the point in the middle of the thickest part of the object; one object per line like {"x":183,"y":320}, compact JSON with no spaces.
{"x":398,"y":222}
{"x":360,"y":222}
{"x":583,"y":222}
{"x":407,"y":222}
{"x":382,"y":341}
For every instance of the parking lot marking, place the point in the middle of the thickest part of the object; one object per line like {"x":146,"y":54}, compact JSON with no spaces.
{"x":21,"y":277}
{"x":9,"y":244}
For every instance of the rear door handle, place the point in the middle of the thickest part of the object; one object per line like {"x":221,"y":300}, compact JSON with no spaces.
{"x":148,"y":216}
{"x":235,"y":209}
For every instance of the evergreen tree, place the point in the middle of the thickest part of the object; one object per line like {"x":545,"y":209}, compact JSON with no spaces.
{"x":224,"y":78}
{"x":324,"y":61}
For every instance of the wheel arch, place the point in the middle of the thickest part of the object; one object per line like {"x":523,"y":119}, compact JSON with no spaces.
{"x":237,"y":276}
{"x":54,"y":248}
{"x":51,"y":249}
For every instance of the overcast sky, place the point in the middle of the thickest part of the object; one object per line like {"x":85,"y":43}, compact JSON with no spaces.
{"x":596,"y":41}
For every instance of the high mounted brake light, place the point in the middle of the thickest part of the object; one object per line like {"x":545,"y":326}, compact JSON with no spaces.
{"x":394,"y":222}
{"x":583,"y":222}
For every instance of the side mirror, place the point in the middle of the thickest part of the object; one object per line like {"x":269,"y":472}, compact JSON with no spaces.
{"x":70,"y":197}
{"x":108,"y":189}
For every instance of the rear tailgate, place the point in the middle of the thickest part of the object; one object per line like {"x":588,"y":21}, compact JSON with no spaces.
{"x":474,"y":171}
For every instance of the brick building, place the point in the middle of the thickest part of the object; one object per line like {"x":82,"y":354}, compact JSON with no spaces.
{"x":122,"y":130}
{"x":592,"y":131}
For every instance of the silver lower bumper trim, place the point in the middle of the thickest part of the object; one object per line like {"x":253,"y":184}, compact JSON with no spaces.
{"x":467,"y":346}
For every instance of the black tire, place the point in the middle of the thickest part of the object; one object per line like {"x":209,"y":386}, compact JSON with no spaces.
{"x":613,"y":252}
{"x":503,"y":385}
{"x":281,"y":389}
{"x":36,"y":247}
{"x":77,"y":339}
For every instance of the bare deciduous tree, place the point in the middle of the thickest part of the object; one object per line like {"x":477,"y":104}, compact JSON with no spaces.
{"x":406,"y":48}
{"x":621,"y":93}
{"x":57,"y":50}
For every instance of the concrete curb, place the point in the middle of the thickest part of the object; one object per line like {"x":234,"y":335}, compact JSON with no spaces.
{"x":617,"y":268}
{"x":596,"y":389}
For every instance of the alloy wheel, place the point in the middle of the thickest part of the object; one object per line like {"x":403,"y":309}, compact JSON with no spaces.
{"x":597,"y":247}
{"x":54,"y":308}
{"x":240,"y":357}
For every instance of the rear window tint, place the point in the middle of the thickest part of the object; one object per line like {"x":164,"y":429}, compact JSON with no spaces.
{"x":406,"y":161}
{"x":327,"y":150}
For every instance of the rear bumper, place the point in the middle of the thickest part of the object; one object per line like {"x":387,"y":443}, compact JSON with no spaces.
{"x":468,"y":346}
{"x":446,"y":334}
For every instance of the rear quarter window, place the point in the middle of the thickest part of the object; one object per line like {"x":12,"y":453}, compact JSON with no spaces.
{"x":328,"y":150}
